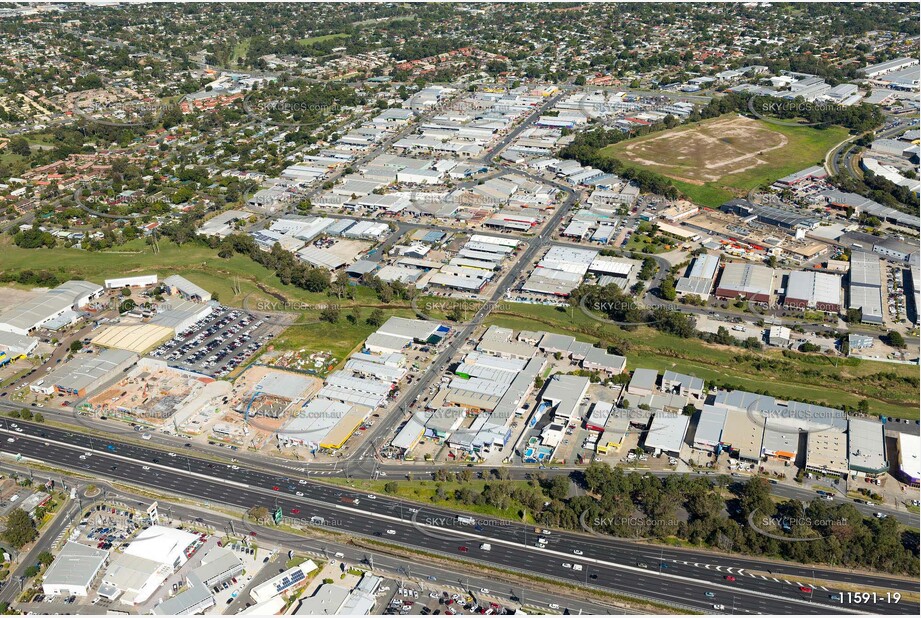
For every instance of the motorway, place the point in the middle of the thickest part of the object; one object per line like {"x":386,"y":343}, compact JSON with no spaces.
{"x":610,"y":564}
{"x":430,"y":577}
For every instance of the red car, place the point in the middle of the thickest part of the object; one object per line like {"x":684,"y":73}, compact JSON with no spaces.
{"x":274,"y":487}
{"x":730,"y":578}
{"x":252,"y":534}
{"x":805,"y":589}
{"x":295,"y":511}
{"x":463,"y":549}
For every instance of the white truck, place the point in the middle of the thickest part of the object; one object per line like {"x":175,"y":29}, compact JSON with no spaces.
{"x":465,"y":520}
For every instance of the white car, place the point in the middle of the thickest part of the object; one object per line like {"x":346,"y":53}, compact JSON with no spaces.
{"x":433,"y":595}
{"x":718,"y":606}
{"x":371,"y":497}
{"x":302,"y":482}
{"x":553,"y":606}
{"x":567,"y":565}
{"x":145,"y":468}
{"x":391,"y":531}
{"x":146,"y":436}
{"x":171,"y":454}
{"x":484,"y":590}
{"x":299,"y":494}
{"x":577,"y":552}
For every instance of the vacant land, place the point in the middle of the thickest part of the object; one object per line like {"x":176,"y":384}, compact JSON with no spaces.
{"x":714,"y":160}
{"x":891,"y":390}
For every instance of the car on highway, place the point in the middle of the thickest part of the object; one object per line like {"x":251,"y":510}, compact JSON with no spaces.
{"x":577,"y":552}
{"x":391,"y":531}
{"x":274,"y":487}
{"x":299,"y":494}
{"x":171,"y":454}
{"x":463,"y":549}
{"x":302,"y":482}
{"x":642,"y":565}
{"x":553,"y":606}
{"x":834,"y":597}
{"x":709,"y":594}
{"x":805,"y":589}
{"x":719,"y":607}
{"x":142,"y":468}
{"x":567,"y":565}
{"x":729,"y":578}
{"x":371,"y":497}
{"x":146,"y":436}
{"x":295,"y":511}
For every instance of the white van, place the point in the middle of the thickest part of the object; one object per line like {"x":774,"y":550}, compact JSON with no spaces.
{"x":577,"y":567}
{"x":339,"y":555}
{"x":486,"y":547}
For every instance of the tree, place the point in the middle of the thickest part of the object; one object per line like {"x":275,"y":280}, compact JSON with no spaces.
{"x":390,"y":487}
{"x":20,"y":146}
{"x":76,"y":346}
{"x":39,"y":417}
{"x":376,"y":318}
{"x":895,"y":339}
{"x":20,"y":529}
{"x":45,"y":558}
{"x":330,"y":314}
{"x":31,"y":571}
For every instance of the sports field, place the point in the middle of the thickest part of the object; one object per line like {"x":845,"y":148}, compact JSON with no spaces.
{"x":714,"y":160}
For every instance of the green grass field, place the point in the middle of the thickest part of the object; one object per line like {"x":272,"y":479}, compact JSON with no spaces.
{"x":716,"y":159}
{"x":804,"y":377}
{"x":424,"y":491}
{"x":323,"y":38}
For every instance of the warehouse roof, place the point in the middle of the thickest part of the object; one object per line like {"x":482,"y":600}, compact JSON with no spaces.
{"x":667,"y":432}
{"x":866,"y":446}
{"x":815,"y":288}
{"x":710,"y":425}
{"x":75,"y":565}
{"x":747,"y":278}
{"x":137,"y":338}
{"x":84,"y":371}
{"x":827,"y":451}
{"x":45,"y":305}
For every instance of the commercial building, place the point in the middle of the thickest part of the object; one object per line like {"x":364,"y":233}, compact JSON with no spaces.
{"x":44,"y":307}
{"x":700,"y":276}
{"x":865,"y":286}
{"x":177,"y":284}
{"x":827,"y":452}
{"x":138,"y":572}
{"x":564,"y":394}
{"x":73,"y":570}
{"x":140,"y":281}
{"x":813,"y":290}
{"x":909,"y":446}
{"x":746,"y":281}
{"x":710,"y":423}
{"x":137,"y":338}
{"x":283,"y":583}
{"x":14,"y":345}
{"x":643,"y":382}
{"x":682,"y":384}
{"x":779,"y":336}
{"x":866,"y":447}
{"x":666,"y":433}
{"x":181,"y":315}
{"x":896,"y":64}
{"x":84,"y":372}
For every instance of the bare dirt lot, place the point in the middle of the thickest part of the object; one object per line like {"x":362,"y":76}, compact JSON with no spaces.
{"x":709,"y":151}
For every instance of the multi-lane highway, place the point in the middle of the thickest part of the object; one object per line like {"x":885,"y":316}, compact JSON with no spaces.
{"x":677,"y":577}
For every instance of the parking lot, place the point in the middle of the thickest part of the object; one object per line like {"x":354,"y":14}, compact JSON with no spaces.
{"x":410,"y":601}
{"x":217,"y":344}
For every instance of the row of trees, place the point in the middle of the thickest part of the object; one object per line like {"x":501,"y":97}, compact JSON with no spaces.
{"x":710,"y":512}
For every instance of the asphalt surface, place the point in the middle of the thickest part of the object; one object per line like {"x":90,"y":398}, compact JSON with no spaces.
{"x":610,"y":564}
